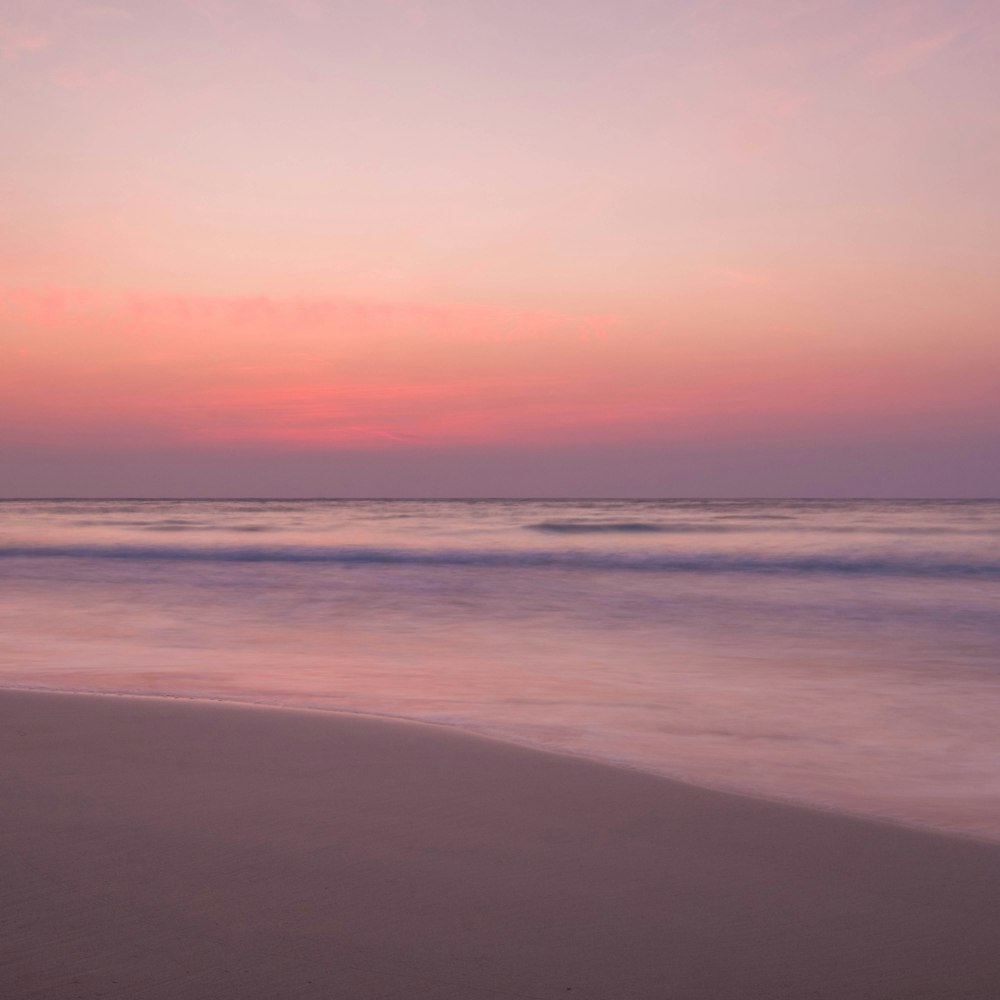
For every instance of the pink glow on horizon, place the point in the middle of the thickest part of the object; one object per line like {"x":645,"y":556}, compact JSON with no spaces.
{"x":310,"y":373}
{"x":395,"y":226}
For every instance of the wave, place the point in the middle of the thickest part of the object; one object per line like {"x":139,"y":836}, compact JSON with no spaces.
{"x":712,"y":527}
{"x":696,"y":562}
{"x":587,"y":527}
{"x":171,"y":524}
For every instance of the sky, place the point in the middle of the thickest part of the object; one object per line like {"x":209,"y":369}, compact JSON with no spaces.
{"x":500,"y":248}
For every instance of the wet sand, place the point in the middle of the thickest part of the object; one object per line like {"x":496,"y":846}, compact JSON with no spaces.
{"x":186,"y":851}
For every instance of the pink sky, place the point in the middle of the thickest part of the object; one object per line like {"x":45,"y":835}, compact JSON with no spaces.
{"x":380,"y":247}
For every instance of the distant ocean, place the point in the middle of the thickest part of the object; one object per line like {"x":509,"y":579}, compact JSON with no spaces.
{"x":844,"y":654}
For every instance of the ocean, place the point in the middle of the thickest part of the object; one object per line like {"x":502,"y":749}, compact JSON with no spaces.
{"x":842,"y":654}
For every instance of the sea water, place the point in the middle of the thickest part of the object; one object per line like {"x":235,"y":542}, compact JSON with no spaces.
{"x":844,"y":654}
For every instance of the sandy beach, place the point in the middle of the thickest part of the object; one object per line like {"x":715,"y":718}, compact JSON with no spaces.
{"x":171,"y":849}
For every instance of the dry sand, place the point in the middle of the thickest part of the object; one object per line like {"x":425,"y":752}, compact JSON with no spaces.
{"x":175,"y":850}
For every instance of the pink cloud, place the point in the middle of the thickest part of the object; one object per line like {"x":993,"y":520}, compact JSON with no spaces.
{"x":290,"y":317}
{"x":908,"y":56}
{"x":43,"y":24}
{"x":743,"y":277}
{"x":80,"y":79}
{"x":14,"y":44}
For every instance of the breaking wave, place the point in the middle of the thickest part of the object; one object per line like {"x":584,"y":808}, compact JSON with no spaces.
{"x":658,"y":562}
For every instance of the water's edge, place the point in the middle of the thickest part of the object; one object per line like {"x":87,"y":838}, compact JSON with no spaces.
{"x":812,"y":806}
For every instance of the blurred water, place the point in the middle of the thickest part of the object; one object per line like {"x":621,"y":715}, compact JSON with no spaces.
{"x":840,"y":653}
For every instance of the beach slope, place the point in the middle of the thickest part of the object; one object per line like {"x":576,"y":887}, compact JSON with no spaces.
{"x":165,"y":850}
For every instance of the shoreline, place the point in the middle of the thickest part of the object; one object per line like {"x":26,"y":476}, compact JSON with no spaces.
{"x":163,"y":848}
{"x":622,"y":764}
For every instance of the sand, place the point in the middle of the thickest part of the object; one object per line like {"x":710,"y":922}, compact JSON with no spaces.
{"x":170,"y":849}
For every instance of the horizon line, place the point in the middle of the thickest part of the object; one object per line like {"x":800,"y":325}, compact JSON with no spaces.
{"x":491,"y":499}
